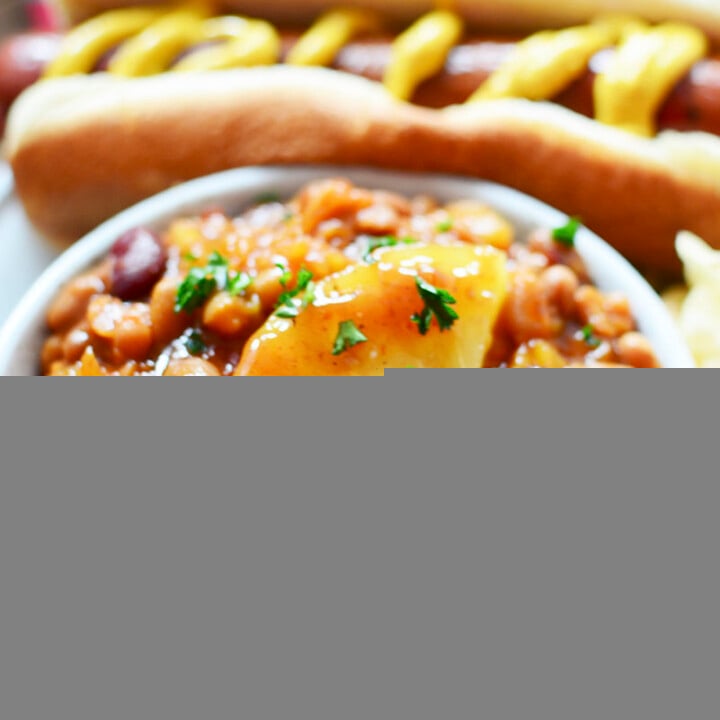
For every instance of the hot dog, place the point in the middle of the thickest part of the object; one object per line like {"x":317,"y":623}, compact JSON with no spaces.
{"x":118,"y":142}
{"x":23,"y":58}
{"x":495,"y":15}
{"x":693,"y":104}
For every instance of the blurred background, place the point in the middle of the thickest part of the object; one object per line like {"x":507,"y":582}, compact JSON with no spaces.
{"x":18,"y":14}
{"x":25,"y":253}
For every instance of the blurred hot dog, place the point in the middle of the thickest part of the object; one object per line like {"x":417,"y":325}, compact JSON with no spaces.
{"x":119,"y":139}
{"x":694,"y":104}
{"x":23,"y":58}
{"x":494,"y":15}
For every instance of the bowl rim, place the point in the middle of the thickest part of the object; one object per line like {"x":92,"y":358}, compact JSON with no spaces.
{"x":239,"y":186}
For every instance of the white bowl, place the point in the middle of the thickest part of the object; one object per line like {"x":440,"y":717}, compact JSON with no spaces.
{"x":22,"y":336}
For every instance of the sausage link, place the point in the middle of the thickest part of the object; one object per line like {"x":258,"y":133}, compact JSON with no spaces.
{"x":693,"y":105}
{"x":23,"y":57}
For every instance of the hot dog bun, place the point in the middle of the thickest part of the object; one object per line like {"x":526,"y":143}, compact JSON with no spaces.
{"x":498,"y":15}
{"x":110,"y":142}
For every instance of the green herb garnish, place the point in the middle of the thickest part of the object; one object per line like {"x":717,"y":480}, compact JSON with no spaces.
{"x":309,"y":296}
{"x":286,"y":276}
{"x":348,"y":336}
{"x":444,"y":226}
{"x":194,"y":343}
{"x":239,"y":283}
{"x":289,"y":312}
{"x":386,"y":241}
{"x":565,"y":234}
{"x":201,"y":282}
{"x":437,"y":302}
{"x":288,"y":308}
{"x":303,"y":279}
{"x":588,"y":334}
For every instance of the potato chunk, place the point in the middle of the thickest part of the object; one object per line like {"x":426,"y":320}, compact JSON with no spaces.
{"x":381,"y":299}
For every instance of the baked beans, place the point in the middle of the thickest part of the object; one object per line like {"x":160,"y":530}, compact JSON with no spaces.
{"x":201,"y":298}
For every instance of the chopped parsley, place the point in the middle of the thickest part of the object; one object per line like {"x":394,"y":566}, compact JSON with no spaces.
{"x":289,"y":312}
{"x":286,"y":276}
{"x":565,"y":234}
{"x":237,"y":284}
{"x":385,"y":241}
{"x":437,"y":303}
{"x":286,"y":306}
{"x":303,"y":279}
{"x":201,"y":282}
{"x":588,"y":335}
{"x":444,"y":226}
{"x":309,"y":296}
{"x":194,"y":343}
{"x":348,"y":336}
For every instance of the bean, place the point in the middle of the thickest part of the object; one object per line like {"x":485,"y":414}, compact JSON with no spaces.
{"x":75,"y":344}
{"x":422,"y":205}
{"x":529,"y":313}
{"x":133,"y":338}
{"x":232,"y":316}
{"x":70,"y":305}
{"x":192,"y":366}
{"x":537,"y":353}
{"x":267,"y":287}
{"x":330,"y":199}
{"x":167,"y":324}
{"x":52,"y":351}
{"x":609,"y":315}
{"x":541,"y":241}
{"x":139,"y":257}
{"x":635,"y":350}
{"x":123,"y":331}
{"x":377,"y":219}
{"x":560,"y":283}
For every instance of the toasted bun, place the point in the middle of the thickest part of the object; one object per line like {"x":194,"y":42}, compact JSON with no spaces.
{"x":510,"y":15}
{"x":110,"y":142}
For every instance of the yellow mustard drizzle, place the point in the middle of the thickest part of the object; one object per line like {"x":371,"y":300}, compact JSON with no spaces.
{"x":648,"y":63}
{"x":619,"y":26}
{"x":246,"y":43}
{"x":330,"y":33}
{"x":421,"y":52}
{"x":643,"y":71}
{"x":153,"y":50}
{"x":545,"y":63}
{"x":83,"y":47}
{"x":628,"y":94}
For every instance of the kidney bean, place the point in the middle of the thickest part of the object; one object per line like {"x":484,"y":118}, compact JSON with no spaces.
{"x":138,"y":262}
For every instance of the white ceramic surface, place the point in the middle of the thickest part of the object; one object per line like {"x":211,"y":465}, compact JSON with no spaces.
{"x":25,"y":253}
{"x":22,"y":336}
